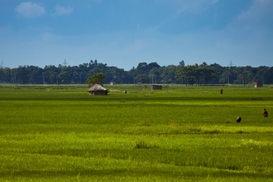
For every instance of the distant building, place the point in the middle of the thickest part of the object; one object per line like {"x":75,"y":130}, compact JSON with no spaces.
{"x":97,"y":89}
{"x":257,"y":84}
{"x":156,"y":87}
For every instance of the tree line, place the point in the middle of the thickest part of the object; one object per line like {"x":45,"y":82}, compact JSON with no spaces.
{"x":144,"y":73}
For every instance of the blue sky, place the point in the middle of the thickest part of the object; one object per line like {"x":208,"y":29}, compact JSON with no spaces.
{"x":123,"y":33}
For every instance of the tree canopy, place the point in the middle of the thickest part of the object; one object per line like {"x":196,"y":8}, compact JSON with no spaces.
{"x":145,"y":73}
{"x":97,"y":78}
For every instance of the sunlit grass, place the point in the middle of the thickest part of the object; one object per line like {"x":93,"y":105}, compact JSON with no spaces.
{"x":183,"y":133}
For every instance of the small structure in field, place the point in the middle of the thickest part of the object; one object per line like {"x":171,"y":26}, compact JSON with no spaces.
{"x":97,"y":89}
{"x":156,"y":87}
{"x":257,"y":84}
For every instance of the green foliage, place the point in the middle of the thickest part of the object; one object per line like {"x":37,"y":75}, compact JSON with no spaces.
{"x":144,"y":73}
{"x":60,"y":133}
{"x":95,"y":79}
{"x":142,"y":78}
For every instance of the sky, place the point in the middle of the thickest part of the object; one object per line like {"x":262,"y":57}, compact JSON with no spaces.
{"x":123,"y":33}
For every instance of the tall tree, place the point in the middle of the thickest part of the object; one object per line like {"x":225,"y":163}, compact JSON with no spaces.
{"x":142,"y":78}
{"x":182,"y":63}
{"x":95,"y":79}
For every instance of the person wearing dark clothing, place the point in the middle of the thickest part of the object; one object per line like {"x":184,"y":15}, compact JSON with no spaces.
{"x":238,"y":119}
{"x":265,"y":113}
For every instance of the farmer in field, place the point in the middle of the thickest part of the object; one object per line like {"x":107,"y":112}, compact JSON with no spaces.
{"x":239,"y":119}
{"x":265,"y":113}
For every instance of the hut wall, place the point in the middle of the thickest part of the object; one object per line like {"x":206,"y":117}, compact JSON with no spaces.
{"x":257,"y":84}
{"x":156,"y":87}
{"x":99,"y":93}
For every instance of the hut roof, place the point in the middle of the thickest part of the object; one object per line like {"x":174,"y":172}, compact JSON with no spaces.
{"x":96,"y":87}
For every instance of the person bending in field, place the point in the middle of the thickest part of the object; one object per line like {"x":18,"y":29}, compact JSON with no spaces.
{"x":265,"y":113}
{"x":239,"y":119}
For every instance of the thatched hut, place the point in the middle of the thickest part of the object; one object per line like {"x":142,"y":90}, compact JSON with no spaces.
{"x":156,"y":87}
{"x":97,"y":89}
{"x":257,"y":84}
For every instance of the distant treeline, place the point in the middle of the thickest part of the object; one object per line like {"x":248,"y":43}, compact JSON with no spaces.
{"x":144,"y":73}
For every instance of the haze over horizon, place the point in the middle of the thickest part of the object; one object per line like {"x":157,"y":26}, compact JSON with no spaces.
{"x":126,"y":33}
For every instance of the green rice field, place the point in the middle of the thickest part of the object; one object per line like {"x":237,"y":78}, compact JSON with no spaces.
{"x":179,"y":133}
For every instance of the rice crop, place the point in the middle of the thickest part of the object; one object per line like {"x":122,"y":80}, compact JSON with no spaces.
{"x":61,"y":133}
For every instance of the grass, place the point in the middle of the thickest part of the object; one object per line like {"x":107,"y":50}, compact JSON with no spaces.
{"x":60,"y":133}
